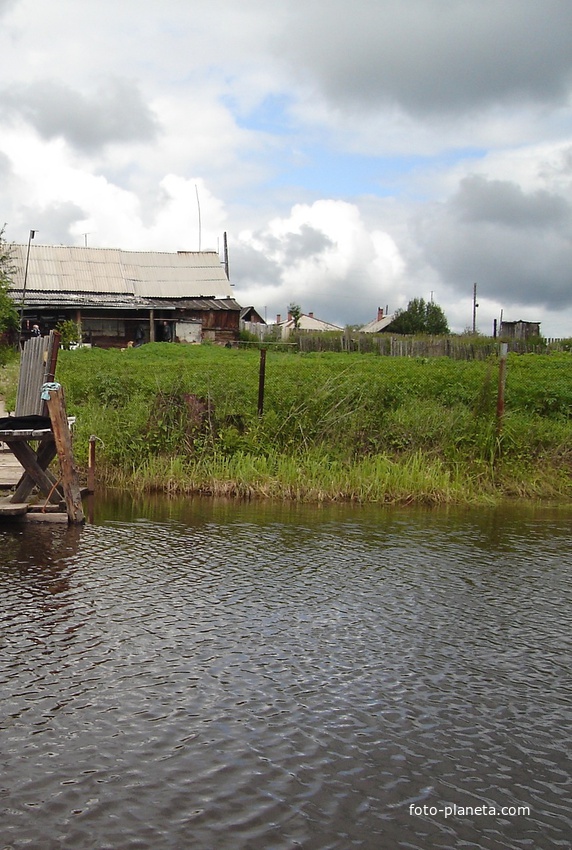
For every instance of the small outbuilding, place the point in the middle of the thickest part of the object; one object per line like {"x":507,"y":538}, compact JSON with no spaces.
{"x":519,"y":330}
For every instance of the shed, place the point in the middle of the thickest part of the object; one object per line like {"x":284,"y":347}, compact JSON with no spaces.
{"x":519,"y":330}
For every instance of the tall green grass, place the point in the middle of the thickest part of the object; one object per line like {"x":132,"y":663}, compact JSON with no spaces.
{"x":335,"y":426}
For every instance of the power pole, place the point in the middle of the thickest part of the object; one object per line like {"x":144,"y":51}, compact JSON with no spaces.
{"x":225,"y":247}
{"x":30,"y":237}
{"x":475,"y":305}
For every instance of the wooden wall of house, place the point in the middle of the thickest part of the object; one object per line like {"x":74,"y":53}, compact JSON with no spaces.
{"x":219,"y":326}
{"x":224,"y":320}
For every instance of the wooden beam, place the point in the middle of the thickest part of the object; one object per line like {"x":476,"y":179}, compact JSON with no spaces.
{"x":13,"y":509}
{"x":62,"y":438}
{"x":36,"y":472}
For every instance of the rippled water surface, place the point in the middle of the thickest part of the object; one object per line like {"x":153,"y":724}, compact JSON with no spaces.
{"x":201,"y":675}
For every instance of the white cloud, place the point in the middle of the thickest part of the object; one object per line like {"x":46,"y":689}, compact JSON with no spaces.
{"x":325,"y":258}
{"x":342,"y":151}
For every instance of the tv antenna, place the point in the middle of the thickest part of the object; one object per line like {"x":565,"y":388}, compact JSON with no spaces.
{"x":199,"y":209}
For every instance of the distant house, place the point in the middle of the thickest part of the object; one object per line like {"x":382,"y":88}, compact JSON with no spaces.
{"x":378,"y":325}
{"x":306,"y":322}
{"x":117,"y":297}
{"x":252,"y":322}
{"x":519,"y":330}
{"x":252,"y":316}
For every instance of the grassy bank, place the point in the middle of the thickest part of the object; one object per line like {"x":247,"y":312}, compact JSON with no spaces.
{"x":335,"y":426}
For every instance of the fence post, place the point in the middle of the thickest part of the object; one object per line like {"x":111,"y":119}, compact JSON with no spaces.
{"x":261,"y":377}
{"x":502,"y":383}
{"x":91,"y":465}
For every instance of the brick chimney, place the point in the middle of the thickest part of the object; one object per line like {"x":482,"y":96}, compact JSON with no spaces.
{"x":289,"y":316}
{"x":311,"y":315}
{"x":379,"y":314}
{"x":278,"y":318}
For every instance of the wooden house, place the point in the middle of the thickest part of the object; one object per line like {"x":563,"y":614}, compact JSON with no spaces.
{"x":120,"y":297}
{"x":380,"y":324}
{"x":306,"y":322}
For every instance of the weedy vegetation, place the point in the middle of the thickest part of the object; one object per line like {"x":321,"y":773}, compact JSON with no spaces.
{"x":360,"y":427}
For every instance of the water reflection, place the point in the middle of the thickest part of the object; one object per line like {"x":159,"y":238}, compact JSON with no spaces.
{"x":194,"y":673}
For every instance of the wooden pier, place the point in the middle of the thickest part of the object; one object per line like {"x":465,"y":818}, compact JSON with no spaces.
{"x":34,"y":437}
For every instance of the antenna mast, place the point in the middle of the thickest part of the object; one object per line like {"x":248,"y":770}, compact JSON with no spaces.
{"x":199,"y":209}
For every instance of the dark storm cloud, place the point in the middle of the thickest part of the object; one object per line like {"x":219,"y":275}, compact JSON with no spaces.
{"x":252,"y":266}
{"x":514,"y":244}
{"x":433,"y":55}
{"x":503,"y":202}
{"x":308,"y":243}
{"x":115,"y":113}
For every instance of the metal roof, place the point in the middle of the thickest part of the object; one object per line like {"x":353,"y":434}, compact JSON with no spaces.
{"x":309,"y":323}
{"x":106,"y":271}
{"x":377,"y":325}
{"x":107,"y":301}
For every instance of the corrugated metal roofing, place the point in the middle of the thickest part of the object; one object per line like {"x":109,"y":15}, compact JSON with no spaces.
{"x":309,"y":323}
{"x":377,"y":325}
{"x":142,"y":274}
{"x":109,"y":301}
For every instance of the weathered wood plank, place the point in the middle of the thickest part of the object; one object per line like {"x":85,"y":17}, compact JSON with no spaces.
{"x":13,"y":508}
{"x":36,"y":472}
{"x":62,"y":438}
{"x":37,"y":366}
{"x":39,"y":517}
{"x":25,"y":435}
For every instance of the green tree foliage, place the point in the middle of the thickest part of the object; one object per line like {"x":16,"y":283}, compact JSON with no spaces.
{"x":8,"y":314}
{"x":69,"y":333}
{"x":295,"y":311}
{"x":420,"y":318}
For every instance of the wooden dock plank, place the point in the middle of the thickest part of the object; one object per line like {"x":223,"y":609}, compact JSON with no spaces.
{"x":8,"y":509}
{"x":31,"y":516}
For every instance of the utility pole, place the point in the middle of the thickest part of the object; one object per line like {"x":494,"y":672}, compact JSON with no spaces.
{"x":225,"y":248}
{"x":199,"y":212}
{"x":30,"y":237}
{"x":475,"y":305}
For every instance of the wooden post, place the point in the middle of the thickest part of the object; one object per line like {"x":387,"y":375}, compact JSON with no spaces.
{"x":502,"y":383}
{"x":261,"y":377}
{"x":62,"y":438}
{"x":91,"y":465}
{"x":54,"y":341}
{"x":52,"y":355}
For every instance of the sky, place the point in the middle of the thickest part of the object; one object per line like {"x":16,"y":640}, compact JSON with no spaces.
{"x":357,"y":155}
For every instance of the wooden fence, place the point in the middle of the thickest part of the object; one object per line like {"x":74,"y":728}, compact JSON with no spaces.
{"x":455,"y":347}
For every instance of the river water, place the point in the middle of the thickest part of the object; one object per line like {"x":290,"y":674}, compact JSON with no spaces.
{"x":207,"y":675}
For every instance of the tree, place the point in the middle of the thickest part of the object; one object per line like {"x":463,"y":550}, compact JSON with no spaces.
{"x":9,"y":319}
{"x":69,"y":333}
{"x":436,"y":320}
{"x":420,"y":318}
{"x":295,"y":311}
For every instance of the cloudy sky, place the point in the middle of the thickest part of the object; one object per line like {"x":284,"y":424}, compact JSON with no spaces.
{"x":358,"y":154}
